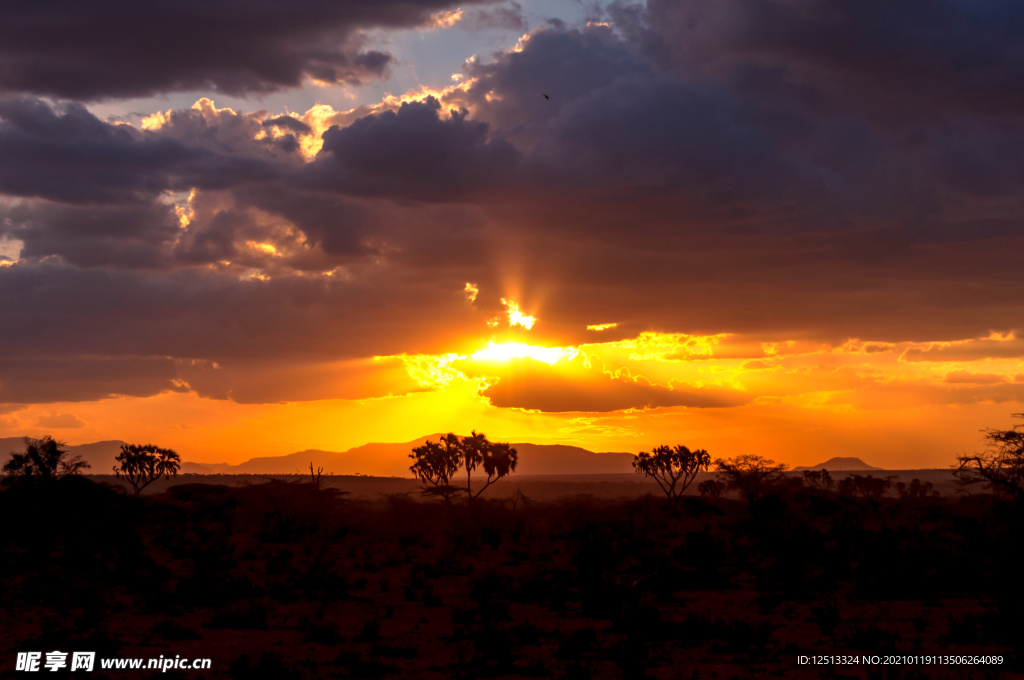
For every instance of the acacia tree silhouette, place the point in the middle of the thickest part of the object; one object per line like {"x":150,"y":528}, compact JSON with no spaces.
{"x":143,"y":464}
{"x":437,"y":463}
{"x":673,"y":469}
{"x":750,"y":474}
{"x":498,"y":460}
{"x":820,"y":480}
{"x":1000,"y":465}
{"x":43,"y":460}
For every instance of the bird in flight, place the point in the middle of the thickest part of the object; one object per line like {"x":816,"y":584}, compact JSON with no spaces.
{"x":546,"y":97}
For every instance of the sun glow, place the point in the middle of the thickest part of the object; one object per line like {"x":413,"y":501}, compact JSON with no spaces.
{"x":507,"y":351}
{"x":445,"y":19}
{"x":516,"y":317}
{"x":267,"y":248}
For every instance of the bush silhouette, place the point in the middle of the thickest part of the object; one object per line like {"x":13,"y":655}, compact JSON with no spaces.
{"x":711,"y":488}
{"x":818,"y":479}
{"x":916,"y":489}
{"x":43,"y":460}
{"x":864,"y":486}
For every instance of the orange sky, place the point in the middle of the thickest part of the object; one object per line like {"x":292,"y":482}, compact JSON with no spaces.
{"x":894,"y":405}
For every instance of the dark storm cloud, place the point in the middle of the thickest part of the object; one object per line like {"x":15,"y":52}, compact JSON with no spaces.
{"x":133,"y":235}
{"x":66,"y":154}
{"x":884,"y":57}
{"x":784,"y":170}
{"x":51,"y":309}
{"x":47,"y":379}
{"x":115,"y":48}
{"x":414,"y":153}
{"x":258,"y":383}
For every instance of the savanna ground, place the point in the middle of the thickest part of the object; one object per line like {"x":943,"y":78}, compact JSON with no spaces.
{"x":564,"y":579}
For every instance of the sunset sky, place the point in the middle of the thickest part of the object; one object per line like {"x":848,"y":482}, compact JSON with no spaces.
{"x":786,"y":227}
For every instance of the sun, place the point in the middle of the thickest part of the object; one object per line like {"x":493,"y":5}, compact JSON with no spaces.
{"x":506,"y":351}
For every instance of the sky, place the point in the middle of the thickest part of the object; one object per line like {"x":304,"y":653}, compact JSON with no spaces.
{"x":783,"y":227}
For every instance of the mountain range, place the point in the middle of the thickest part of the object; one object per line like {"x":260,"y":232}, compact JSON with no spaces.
{"x":392,"y":460}
{"x":376,"y":459}
{"x":839,"y":464}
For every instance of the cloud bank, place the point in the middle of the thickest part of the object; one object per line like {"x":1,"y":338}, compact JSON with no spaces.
{"x":695,"y":167}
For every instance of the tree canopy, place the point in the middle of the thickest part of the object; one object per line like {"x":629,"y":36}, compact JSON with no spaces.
{"x":143,"y":464}
{"x":436,"y":463}
{"x":673,"y":469}
{"x":1000,"y":465}
{"x":750,"y":474}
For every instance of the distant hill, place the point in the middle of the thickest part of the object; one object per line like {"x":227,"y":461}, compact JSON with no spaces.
{"x":840,"y":464}
{"x":392,"y":460}
{"x":376,"y":459}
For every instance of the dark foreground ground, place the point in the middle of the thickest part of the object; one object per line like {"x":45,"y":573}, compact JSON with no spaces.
{"x":278,"y":580}
{"x":536,"y":487}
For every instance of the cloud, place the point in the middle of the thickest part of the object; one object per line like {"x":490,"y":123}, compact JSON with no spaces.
{"x":60,"y":421}
{"x":288,"y":123}
{"x":414,"y":153}
{"x":62,"y":311}
{"x":113,"y":49}
{"x":912,"y":395}
{"x":930,"y":57}
{"x":49,"y":379}
{"x":510,"y":17}
{"x":576,"y":382}
{"x":528,"y":384}
{"x":974,"y":349}
{"x":968,"y":378}
{"x":66,"y":154}
{"x":697,"y":168}
{"x":260,"y":383}
{"x":92,"y":236}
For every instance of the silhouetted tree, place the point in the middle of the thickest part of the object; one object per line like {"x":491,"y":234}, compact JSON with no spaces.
{"x":711,"y":488}
{"x":43,"y":460}
{"x":436,"y":463}
{"x":143,"y":464}
{"x":497,"y":459}
{"x":818,"y":479}
{"x":750,"y":474}
{"x":673,"y":469}
{"x":916,"y":489}
{"x":1000,"y":465}
{"x":315,"y":476}
{"x":864,"y":486}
